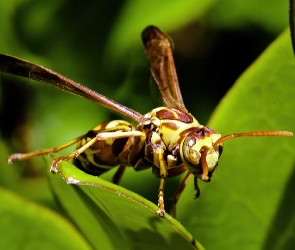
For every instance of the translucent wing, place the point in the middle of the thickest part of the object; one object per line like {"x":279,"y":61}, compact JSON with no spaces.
{"x":158,"y":48}
{"x":156,"y":96}
{"x":20,"y":67}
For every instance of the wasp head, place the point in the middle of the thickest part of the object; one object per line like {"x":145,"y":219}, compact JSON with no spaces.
{"x":199,"y":152}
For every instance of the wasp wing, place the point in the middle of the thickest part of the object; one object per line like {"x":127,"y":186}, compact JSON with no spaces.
{"x":156,"y":96}
{"x":20,"y":67}
{"x":158,"y":48}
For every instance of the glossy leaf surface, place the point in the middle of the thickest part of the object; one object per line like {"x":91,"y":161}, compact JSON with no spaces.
{"x":30,"y":226}
{"x":120,"y":218}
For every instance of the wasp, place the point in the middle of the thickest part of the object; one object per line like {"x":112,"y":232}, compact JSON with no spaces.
{"x":168,"y":139}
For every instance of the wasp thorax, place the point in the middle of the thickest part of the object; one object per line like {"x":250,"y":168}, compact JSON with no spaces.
{"x":199,"y":153}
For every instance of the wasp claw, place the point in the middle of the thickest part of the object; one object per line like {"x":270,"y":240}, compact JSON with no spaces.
{"x":161,"y":213}
{"x":53,"y":168}
{"x":161,"y":210}
{"x":12,"y":157}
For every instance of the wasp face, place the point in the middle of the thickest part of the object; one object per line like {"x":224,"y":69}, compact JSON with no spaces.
{"x":199,"y":153}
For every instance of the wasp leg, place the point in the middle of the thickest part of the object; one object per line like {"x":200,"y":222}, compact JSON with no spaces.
{"x":162,"y":165}
{"x":26,"y":156}
{"x":198,"y":191}
{"x":99,"y":136}
{"x":19,"y":156}
{"x":178,"y":192}
{"x":118,"y":175}
{"x":122,"y":128}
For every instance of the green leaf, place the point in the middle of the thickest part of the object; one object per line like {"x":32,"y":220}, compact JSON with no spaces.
{"x":25,"y":225}
{"x":136,"y":15}
{"x":252,"y":193}
{"x":119,"y":218}
{"x":271,"y":15}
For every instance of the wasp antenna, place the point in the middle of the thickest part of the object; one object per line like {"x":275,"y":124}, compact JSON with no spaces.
{"x":258,"y":133}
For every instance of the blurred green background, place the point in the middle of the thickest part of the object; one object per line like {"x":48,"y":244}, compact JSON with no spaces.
{"x":97,"y":43}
